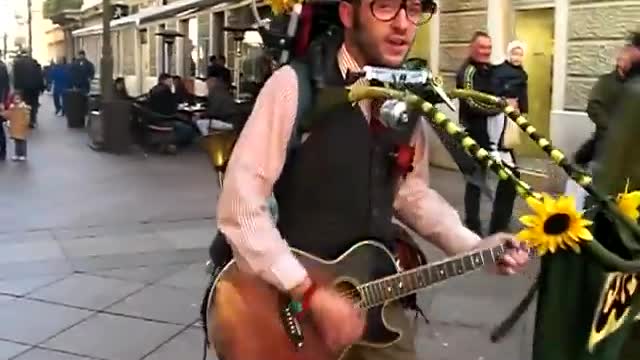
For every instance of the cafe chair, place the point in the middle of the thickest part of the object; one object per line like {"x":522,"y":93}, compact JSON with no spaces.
{"x":154,"y":135}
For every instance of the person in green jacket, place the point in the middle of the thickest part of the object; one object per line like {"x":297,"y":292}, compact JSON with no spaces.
{"x":602,"y":102}
{"x":620,"y":165}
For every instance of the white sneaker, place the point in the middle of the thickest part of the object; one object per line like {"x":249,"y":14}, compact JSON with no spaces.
{"x":15,"y":158}
{"x":22,"y":158}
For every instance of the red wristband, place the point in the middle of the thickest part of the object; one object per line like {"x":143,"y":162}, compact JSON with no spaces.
{"x":306,"y":297}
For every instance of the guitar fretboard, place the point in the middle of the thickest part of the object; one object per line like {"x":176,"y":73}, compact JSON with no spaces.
{"x":406,"y":283}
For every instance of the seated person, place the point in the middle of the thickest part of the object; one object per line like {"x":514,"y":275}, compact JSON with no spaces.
{"x":222,"y":106}
{"x":181,"y":92}
{"x":120,"y":90}
{"x":163,"y":101}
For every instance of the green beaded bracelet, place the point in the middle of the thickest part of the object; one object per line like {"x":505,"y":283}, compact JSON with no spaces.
{"x":295,"y":306}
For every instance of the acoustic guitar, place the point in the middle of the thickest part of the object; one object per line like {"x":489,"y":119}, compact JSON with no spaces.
{"x":249,"y":319}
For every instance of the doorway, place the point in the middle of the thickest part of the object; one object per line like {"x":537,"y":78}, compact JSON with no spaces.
{"x":422,"y":44}
{"x":535,"y":28}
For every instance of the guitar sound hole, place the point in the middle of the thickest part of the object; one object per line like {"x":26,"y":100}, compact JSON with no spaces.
{"x":348,"y":290}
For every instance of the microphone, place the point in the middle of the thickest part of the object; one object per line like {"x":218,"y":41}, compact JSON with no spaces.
{"x":394,"y":114}
{"x":418,"y":80}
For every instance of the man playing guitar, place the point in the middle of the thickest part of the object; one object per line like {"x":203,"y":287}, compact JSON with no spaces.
{"x":338,"y":186}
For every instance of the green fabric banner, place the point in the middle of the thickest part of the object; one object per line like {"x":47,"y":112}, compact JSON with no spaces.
{"x":572,"y":286}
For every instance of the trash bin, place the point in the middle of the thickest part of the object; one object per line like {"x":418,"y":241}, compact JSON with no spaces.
{"x":95,"y":101}
{"x":75,"y":107}
{"x":96,"y":131}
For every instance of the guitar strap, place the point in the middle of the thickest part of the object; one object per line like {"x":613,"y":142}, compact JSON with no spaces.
{"x":409,"y":256}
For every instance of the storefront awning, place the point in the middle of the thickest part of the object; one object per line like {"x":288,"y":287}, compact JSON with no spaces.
{"x":179,"y":8}
{"x":173,"y":9}
{"x":87,"y":31}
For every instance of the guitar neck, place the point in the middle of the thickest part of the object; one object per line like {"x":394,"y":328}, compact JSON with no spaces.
{"x":406,"y":283}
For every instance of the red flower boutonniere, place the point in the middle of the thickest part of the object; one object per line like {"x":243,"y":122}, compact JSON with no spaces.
{"x":404,"y":155}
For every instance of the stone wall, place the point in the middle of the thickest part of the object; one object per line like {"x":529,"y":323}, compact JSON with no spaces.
{"x":459,"y":19}
{"x":596,"y":31}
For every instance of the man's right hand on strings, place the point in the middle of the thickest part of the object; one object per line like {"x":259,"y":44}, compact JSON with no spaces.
{"x":340,"y":322}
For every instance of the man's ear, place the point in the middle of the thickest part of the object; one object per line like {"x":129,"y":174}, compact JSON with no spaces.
{"x":345,"y":11}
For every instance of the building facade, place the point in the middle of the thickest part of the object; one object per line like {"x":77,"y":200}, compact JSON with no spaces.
{"x":569,"y":44}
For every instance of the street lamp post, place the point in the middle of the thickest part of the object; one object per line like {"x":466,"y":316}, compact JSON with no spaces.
{"x":168,"y":40}
{"x":29,"y":21}
{"x":238,"y":38}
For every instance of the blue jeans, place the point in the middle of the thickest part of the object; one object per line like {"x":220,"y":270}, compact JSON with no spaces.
{"x":185,"y":134}
{"x":57,"y":100}
{"x":21,"y":147}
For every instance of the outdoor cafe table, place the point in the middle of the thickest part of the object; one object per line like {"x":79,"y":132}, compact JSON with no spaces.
{"x":192,"y":110}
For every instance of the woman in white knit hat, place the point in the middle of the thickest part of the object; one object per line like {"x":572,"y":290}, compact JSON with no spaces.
{"x":510,"y":81}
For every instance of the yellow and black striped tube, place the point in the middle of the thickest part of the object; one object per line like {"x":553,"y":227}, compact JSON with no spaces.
{"x":554,"y":153}
{"x":605,"y":257}
{"x":482,"y":156}
{"x":543,"y":143}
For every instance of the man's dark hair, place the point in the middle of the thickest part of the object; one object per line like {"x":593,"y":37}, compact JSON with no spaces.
{"x":163,"y":77}
{"x":81,"y":52}
{"x":479,"y":34}
{"x":213,"y":58}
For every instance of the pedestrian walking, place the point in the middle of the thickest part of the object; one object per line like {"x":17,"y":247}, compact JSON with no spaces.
{"x":17,"y":114}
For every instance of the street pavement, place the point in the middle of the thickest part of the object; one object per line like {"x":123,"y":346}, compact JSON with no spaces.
{"x":102,"y":257}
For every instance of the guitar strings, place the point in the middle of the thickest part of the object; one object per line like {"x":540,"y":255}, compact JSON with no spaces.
{"x":359,"y":291}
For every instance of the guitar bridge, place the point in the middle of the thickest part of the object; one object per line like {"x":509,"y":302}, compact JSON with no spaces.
{"x":292,"y":326}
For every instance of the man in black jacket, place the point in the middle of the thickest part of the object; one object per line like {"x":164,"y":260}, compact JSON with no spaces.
{"x":5,"y":88}
{"x":163,"y":101}
{"x":222,"y":106}
{"x":82,"y":72}
{"x":476,"y":74}
{"x":28,"y":79}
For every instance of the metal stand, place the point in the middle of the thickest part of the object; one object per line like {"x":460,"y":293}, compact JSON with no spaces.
{"x":238,"y":38}
{"x":168,"y":40}
{"x":220,"y":178}
{"x":169,"y":47}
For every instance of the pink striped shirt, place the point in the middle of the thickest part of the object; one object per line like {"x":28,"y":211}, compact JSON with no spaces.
{"x":257,"y":161}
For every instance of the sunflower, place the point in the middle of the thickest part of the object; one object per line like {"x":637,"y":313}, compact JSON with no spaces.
{"x":629,"y":202}
{"x":555,"y":224}
{"x":281,"y":6}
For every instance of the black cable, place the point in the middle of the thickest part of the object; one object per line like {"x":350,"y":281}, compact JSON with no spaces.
{"x":507,"y":324}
